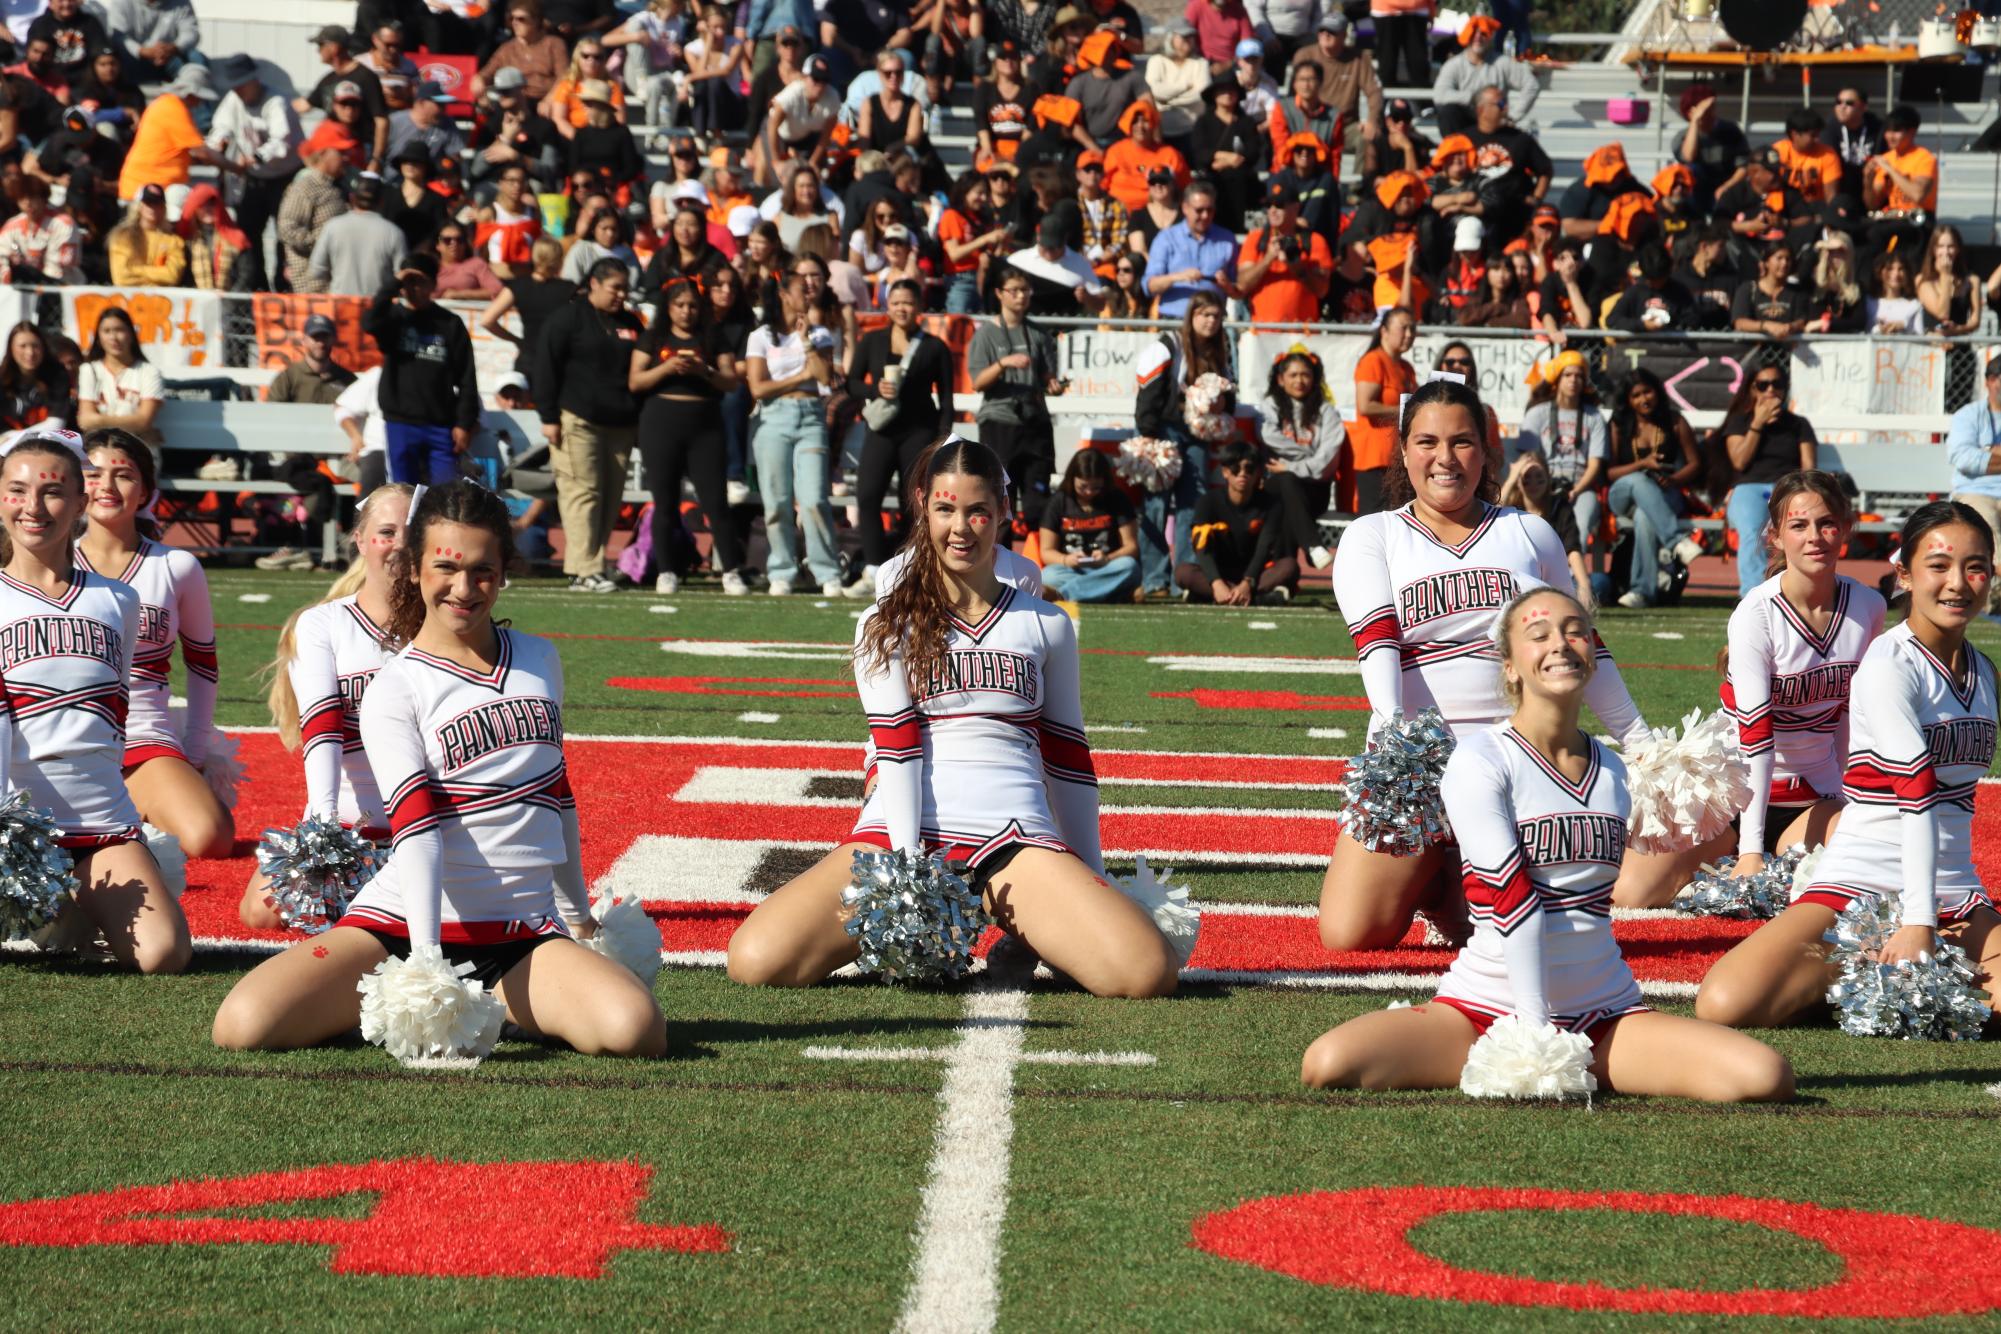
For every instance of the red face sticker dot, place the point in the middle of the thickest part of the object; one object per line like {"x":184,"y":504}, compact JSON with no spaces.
{"x":1535,"y":614}
{"x":1939,"y":547}
{"x":319,"y":951}
{"x":980,"y":521}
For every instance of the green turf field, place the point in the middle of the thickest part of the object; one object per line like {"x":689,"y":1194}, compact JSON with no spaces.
{"x":770,"y":1121}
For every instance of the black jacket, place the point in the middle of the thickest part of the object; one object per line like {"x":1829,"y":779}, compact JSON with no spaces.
{"x":1235,"y":543}
{"x":925,"y":394}
{"x":583,"y":365}
{"x":428,"y":378}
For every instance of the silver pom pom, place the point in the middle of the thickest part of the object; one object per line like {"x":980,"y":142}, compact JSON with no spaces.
{"x":1391,"y":791}
{"x":1715,"y":892}
{"x":916,"y":919}
{"x":315,"y":869}
{"x":37,"y":878}
{"x":1935,"y":998}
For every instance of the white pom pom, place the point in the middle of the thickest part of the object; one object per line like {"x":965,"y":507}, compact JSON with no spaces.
{"x":1166,"y":904}
{"x":1514,"y":1059}
{"x":1686,"y":788}
{"x":173,"y":862}
{"x":222,"y":769}
{"x":424,"y":1012}
{"x":627,"y":936}
{"x":1803,"y":873}
{"x":1148,"y":462}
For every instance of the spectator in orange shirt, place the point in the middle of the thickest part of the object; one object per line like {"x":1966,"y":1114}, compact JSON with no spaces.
{"x":564,"y":108}
{"x":1811,"y":167}
{"x":1382,"y":378}
{"x":1283,"y":268}
{"x":1129,"y":160}
{"x":1902,"y":181}
{"x":167,"y":142}
{"x":1302,"y":112}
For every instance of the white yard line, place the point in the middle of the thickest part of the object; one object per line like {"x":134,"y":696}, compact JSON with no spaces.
{"x":955,"y":1274}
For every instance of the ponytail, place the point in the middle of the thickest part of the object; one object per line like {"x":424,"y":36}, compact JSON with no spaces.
{"x":280,"y":697}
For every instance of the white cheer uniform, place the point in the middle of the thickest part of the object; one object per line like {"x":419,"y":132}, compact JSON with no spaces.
{"x":991,"y":752}
{"x":1919,"y":743}
{"x":1017,"y":571}
{"x":1788,"y":690}
{"x":67,"y":664}
{"x":1421,"y":612}
{"x":339,"y":651}
{"x":482,"y":825}
{"x":1540,"y":854}
{"x":173,"y":607}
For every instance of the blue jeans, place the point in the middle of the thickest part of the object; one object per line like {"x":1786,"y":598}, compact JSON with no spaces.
{"x":1111,"y":582}
{"x":1655,"y":524}
{"x":962,"y":294}
{"x":420,"y":455}
{"x":1157,"y":563}
{"x":1747,"y":514}
{"x":791,"y":449}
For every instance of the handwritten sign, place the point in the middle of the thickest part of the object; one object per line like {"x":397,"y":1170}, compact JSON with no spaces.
{"x":178,"y":329}
{"x":281,"y":329}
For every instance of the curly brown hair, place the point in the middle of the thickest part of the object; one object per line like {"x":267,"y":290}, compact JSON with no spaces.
{"x":913,"y":618}
{"x":459,"y":501}
{"x":1397,"y":488}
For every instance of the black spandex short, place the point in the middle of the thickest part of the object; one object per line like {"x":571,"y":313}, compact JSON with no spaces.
{"x":995,"y":862}
{"x":489,"y":963}
{"x":1777,"y":820}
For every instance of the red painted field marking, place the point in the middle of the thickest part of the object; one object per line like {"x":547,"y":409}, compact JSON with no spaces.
{"x":1268,"y":699}
{"x":1896,"y":1265}
{"x":431,"y":1218}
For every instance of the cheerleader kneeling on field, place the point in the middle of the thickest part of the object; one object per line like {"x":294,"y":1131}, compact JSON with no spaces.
{"x":67,"y":637}
{"x":972,"y":696}
{"x":463,"y":730}
{"x":327,"y":655}
{"x":162,"y":767}
{"x":1419,"y":586}
{"x":1795,"y":643}
{"x":1921,"y":737}
{"x":1541,"y":808}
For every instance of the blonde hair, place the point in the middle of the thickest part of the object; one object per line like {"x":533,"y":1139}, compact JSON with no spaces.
{"x":283,"y":703}
{"x":1504,"y":636}
{"x":545,"y":257}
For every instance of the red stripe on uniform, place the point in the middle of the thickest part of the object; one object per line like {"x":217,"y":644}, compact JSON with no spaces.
{"x":416,"y":804}
{"x":1065,"y":751}
{"x":1908,"y":788}
{"x":1378,"y":629}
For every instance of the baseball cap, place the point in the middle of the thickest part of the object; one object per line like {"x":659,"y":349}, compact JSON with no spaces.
{"x":511,"y":380}
{"x":790,"y":33}
{"x":364,"y":185}
{"x":1180,"y":28}
{"x":1993,"y":362}
{"x":347,"y":90}
{"x":1005,"y":49}
{"x":319,"y":326}
{"x":689,"y":190}
{"x":1470,"y":234}
{"x":896,"y":231}
{"x":1282,"y":195}
{"x":1160,"y":176}
{"x":743,"y":220}
{"x":1547,"y":213}
{"x":508,"y":79}
{"x":818,"y":68}
{"x":1335,"y":22}
{"x":76,"y":118}
{"x":431,"y":92}
{"x":1090,"y":158}
{"x":1250,"y":49}
{"x":153,"y":194}
{"x":332,"y":32}
{"x":1770,"y":158}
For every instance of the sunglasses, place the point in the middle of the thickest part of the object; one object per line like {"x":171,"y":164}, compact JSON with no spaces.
{"x":451,"y":240}
{"x":1236,"y":469}
{"x":590,"y":55}
{"x":1455,"y":364}
{"x":1767,"y":386}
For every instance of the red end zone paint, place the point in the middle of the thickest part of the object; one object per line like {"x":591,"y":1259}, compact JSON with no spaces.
{"x":1268,"y":699}
{"x":1897,"y":1265}
{"x":448,"y":1220}
{"x":734,"y":685}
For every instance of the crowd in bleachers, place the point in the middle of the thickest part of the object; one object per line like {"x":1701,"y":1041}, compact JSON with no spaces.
{"x":1247,"y":160}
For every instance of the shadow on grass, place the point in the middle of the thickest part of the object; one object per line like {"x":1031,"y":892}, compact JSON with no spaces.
{"x":1978,"y":1079}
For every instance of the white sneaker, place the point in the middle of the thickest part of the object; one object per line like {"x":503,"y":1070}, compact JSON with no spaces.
{"x":667,"y":584}
{"x":1321,"y":557}
{"x":285,"y":558}
{"x":592,"y":583}
{"x":733,"y":584}
{"x":831,"y":589}
{"x":863,"y":586}
{"x":1687,"y":550}
{"x":1632,"y":600}
{"x":737,"y":493}
{"x":780,"y":588}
